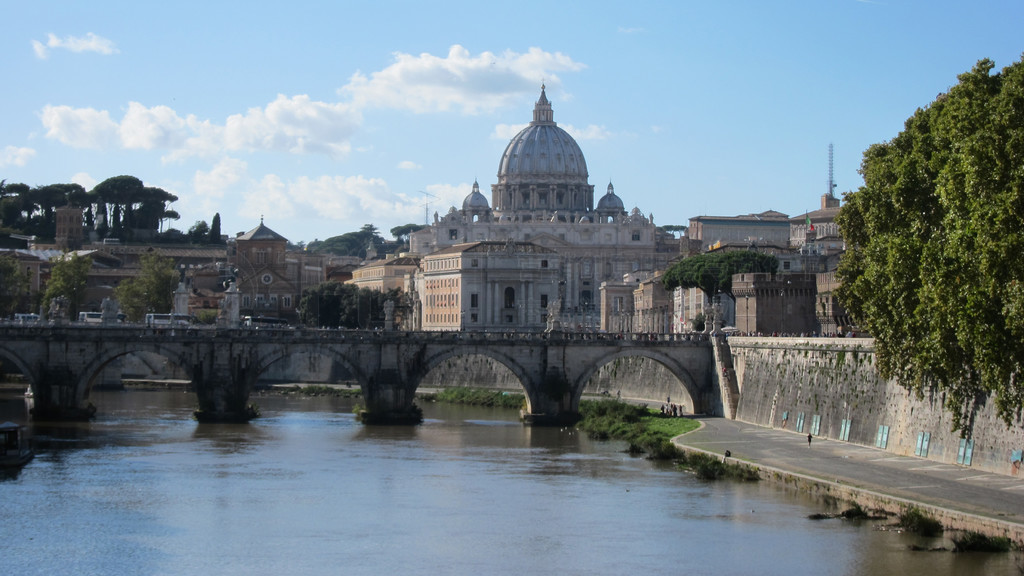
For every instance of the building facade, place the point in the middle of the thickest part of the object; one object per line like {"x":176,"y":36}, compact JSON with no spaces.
{"x":543,"y":196}
{"x":489,"y":286}
{"x":269,"y":277}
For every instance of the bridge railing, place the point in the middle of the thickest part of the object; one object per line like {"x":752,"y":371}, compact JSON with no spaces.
{"x":204,"y":332}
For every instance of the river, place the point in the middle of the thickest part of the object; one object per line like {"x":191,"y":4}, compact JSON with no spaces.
{"x":305,"y":489}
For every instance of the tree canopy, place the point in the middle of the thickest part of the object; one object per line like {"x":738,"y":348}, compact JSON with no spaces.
{"x":935,"y":238}
{"x":68,"y":276}
{"x":353,"y":243}
{"x":13,"y":286}
{"x":151,"y":290}
{"x":337,"y":305}
{"x":712,"y":272}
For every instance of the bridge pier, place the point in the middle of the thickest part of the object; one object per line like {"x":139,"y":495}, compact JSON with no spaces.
{"x":389,"y":400}
{"x":223,"y":385}
{"x":550,"y":401}
{"x":57,"y":397}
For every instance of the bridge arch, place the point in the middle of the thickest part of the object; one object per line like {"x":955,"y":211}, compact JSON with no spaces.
{"x":18,"y":360}
{"x":433,"y":361}
{"x":674,"y":366}
{"x":336,"y":353}
{"x":174,"y":353}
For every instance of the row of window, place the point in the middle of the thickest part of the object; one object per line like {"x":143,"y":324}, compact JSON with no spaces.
{"x":267,"y":299}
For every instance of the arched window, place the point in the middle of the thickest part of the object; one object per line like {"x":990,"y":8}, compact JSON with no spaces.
{"x":510,"y":297}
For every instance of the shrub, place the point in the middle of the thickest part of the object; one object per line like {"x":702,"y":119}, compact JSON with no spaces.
{"x":912,"y":519}
{"x":975,"y":542}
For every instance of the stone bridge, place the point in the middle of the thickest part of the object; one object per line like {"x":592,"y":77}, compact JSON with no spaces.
{"x":62,"y":363}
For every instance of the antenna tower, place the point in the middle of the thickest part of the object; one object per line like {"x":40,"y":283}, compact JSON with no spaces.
{"x":426,"y":207}
{"x":831,"y":181}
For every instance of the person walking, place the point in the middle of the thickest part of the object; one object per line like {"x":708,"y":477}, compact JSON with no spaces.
{"x":808,"y":440}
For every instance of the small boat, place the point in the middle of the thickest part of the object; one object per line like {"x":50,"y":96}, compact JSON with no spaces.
{"x":14,"y":448}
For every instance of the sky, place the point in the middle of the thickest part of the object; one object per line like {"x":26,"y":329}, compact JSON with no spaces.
{"x":321,"y":117}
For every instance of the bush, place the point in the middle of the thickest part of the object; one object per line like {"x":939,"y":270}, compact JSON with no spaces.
{"x":912,"y":519}
{"x":975,"y":542}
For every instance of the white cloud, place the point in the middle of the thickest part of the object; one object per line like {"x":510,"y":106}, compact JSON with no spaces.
{"x":428,"y":83}
{"x":507,"y":131}
{"x":79,"y":127}
{"x":223,"y":176}
{"x":149,"y":128}
{"x":15,"y":156}
{"x":591,"y":132}
{"x":88,"y":43}
{"x":269,"y":196}
{"x":408,"y":165}
{"x":84,"y":180}
{"x":296,"y":125}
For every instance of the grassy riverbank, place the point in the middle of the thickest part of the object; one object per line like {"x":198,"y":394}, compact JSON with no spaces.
{"x":477,"y":397}
{"x":647,"y":431}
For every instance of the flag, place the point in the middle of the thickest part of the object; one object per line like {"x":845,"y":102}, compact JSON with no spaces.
{"x":809,"y":225}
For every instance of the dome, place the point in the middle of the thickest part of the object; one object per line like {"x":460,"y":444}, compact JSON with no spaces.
{"x":542,"y":152}
{"x":475,"y":200}
{"x":610,"y":202}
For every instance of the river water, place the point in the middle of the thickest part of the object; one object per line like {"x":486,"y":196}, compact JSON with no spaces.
{"x":305,"y":489}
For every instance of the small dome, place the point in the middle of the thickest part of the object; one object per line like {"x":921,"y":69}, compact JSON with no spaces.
{"x":610,"y":202}
{"x":475,"y":200}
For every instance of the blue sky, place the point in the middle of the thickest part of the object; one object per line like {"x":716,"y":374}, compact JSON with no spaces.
{"x":324,"y":116}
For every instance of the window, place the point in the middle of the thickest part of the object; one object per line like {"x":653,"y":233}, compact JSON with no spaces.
{"x":543,"y":300}
{"x":882,"y":437}
{"x":965,"y":452}
{"x":453,"y":234}
{"x":474,"y":263}
{"x":543,"y":263}
{"x":474,"y":300}
{"x":286,"y":301}
{"x":636,"y":236}
{"x":510,"y":297}
{"x":923,"y":439}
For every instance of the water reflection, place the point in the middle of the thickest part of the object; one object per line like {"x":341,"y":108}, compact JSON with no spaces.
{"x":306,"y":489}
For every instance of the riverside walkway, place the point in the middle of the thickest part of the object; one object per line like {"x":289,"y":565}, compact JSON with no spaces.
{"x":957,"y":496}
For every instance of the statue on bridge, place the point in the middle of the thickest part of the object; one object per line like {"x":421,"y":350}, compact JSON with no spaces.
{"x":389,"y":316}
{"x":58,"y":313}
{"x":108,"y":311}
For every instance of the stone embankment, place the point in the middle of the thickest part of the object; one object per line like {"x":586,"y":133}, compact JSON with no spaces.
{"x":830,"y":387}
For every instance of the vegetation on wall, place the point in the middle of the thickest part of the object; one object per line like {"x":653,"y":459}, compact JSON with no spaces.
{"x":712,"y":272}
{"x":68,"y":275}
{"x":151,"y":290}
{"x":935,"y":235}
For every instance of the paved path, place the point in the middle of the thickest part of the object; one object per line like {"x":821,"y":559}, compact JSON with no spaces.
{"x":926,"y":481}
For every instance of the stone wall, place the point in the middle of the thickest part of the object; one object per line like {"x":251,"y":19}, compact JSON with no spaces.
{"x":636,"y":378}
{"x":782,"y":380}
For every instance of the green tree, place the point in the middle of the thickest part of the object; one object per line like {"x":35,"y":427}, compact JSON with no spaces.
{"x":68,"y":276}
{"x":151,"y":290}
{"x":337,"y":305}
{"x":13,"y":286}
{"x":712,"y":272}
{"x":402,"y":233}
{"x":350,"y":243}
{"x":213,"y":237}
{"x":933,"y":267}
{"x":199,"y":232}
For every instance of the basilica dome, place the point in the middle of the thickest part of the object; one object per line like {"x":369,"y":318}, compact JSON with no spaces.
{"x":542,"y":152}
{"x":610,"y":202}
{"x":475,"y":200}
